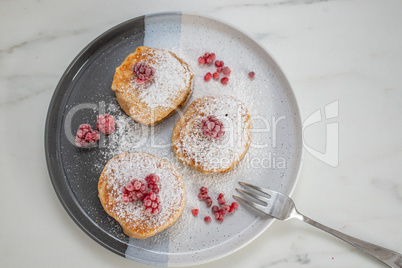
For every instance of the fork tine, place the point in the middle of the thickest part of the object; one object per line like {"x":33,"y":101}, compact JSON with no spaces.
{"x":263,"y":190}
{"x":251,"y":204}
{"x":258,"y":197}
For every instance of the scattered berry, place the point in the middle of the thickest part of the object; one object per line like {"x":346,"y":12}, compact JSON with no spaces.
{"x":86,"y":136}
{"x":201,"y":61}
{"x":152,"y":204}
{"x":219,"y":69}
{"x":208,"y":76}
{"x":204,"y":190}
{"x":105,"y":123}
{"x":208,"y":201}
{"x":207,"y":219}
{"x":215,"y":75}
{"x":202,"y":196}
{"x":219,"y":215}
{"x":212,"y":127}
{"x":225,"y":208}
{"x":226,"y":71}
{"x":221,"y":199}
{"x":214,"y":209}
{"x":143,"y":72}
{"x":251,"y":75}
{"x":194,"y":212}
{"x":219,"y":63}
{"x":224,"y":80}
{"x":233,"y":207}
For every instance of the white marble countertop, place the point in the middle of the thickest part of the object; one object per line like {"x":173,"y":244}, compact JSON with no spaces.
{"x":347,"y":52}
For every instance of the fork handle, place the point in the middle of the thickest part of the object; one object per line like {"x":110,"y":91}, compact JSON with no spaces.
{"x":387,"y":256}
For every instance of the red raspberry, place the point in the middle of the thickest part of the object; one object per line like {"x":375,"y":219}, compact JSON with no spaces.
{"x":221,"y":199}
{"x":219,"y":215}
{"x":202,"y":196}
{"x":86,"y":136}
{"x":211,"y":126}
{"x":105,"y":123}
{"x":224,"y":80}
{"x":219,"y":63}
{"x":194,"y":212}
{"x":226,"y":71}
{"x":233,"y":207}
{"x":152,"y":204}
{"x":207,"y":219}
{"x":210,"y":58}
{"x":208,"y":201}
{"x":143,"y":72}
{"x":219,"y":69}
{"x":204,"y":190}
{"x":215,"y":209}
{"x":201,"y":61}
{"x":208,"y":76}
{"x":215,"y":75}
{"x":225,"y":208}
{"x":251,"y":75}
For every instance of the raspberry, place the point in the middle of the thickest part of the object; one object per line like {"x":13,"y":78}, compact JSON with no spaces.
{"x":152,"y":204}
{"x":221,"y":199}
{"x":202,"y":196}
{"x":212,"y":127}
{"x":139,"y":192}
{"x":208,"y":76}
{"x":215,"y":209}
{"x":194,"y":212}
{"x":207,"y":219}
{"x":225,"y":208}
{"x":233,"y":207}
{"x":251,"y":75}
{"x":86,"y":136}
{"x":219,"y":69}
{"x":215,"y":75}
{"x":224,"y":80}
{"x":105,"y":123}
{"x":201,"y":60}
{"x":152,"y":178}
{"x":143,"y":72}
{"x":208,"y":201}
{"x":152,"y":182}
{"x":219,"y":215}
{"x":219,"y":63}
{"x":204,"y":190}
{"x":209,"y":58}
{"x":226,"y":71}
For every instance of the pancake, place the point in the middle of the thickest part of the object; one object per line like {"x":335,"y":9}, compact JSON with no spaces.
{"x":150,"y":102}
{"x":207,"y":154}
{"x":132,"y":217}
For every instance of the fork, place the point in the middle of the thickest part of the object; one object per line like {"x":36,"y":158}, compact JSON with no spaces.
{"x":282,"y":207}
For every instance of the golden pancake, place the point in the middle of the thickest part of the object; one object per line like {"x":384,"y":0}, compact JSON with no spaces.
{"x":150,"y":102}
{"x":207,"y":154}
{"x":136,"y":222}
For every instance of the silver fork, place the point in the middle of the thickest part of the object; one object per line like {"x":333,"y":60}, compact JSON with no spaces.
{"x":282,"y":207}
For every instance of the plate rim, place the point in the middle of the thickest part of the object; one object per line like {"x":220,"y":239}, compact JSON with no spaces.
{"x":53,"y":122}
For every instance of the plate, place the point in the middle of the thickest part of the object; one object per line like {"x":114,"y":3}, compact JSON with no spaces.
{"x":273,"y":159}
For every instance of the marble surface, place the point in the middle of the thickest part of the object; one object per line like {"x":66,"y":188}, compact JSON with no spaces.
{"x":342,"y":52}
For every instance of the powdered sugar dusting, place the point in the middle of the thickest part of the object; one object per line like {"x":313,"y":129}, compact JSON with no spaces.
{"x":215,"y":154}
{"x":127,"y":167}
{"x":170,"y":79}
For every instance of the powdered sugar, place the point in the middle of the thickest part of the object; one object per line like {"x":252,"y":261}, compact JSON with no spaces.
{"x":206,"y":152}
{"x":170,"y":79}
{"x":127,"y":167}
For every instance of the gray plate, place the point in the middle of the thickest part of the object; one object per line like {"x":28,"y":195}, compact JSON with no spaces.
{"x":83,"y":92}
